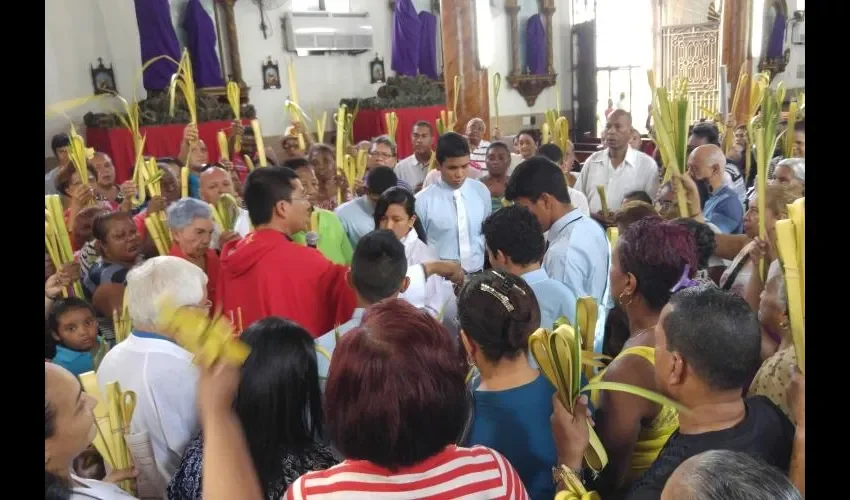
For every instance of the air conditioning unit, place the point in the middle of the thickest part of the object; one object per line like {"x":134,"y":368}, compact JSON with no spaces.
{"x":309,"y":33}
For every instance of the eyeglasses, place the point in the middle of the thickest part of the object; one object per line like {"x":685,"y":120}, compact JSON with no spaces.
{"x":381,"y":154}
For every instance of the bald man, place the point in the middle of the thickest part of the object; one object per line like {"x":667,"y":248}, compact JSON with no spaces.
{"x":216,"y":181}
{"x":618,"y":168}
{"x":723,"y":208}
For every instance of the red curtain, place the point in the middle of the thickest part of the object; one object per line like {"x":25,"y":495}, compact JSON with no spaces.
{"x":160,"y":141}
{"x":370,"y":123}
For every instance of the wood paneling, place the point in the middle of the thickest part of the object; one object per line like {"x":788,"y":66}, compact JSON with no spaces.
{"x":457,"y":22}
{"x":736,"y":51}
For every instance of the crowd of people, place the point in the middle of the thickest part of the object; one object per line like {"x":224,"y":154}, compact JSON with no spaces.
{"x":389,"y":321}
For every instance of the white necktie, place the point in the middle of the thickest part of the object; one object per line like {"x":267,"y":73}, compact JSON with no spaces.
{"x":463,"y":233}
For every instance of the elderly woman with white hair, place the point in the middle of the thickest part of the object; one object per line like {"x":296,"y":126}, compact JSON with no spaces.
{"x":192,"y":227}
{"x":791,"y":171}
{"x":150,"y":363}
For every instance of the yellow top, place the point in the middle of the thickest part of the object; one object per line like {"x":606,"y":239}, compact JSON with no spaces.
{"x":653,"y":437}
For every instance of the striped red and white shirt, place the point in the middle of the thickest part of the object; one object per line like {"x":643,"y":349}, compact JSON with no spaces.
{"x":476,"y":473}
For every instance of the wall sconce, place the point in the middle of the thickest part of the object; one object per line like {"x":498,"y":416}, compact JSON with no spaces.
{"x":798,"y":28}
{"x":484,"y":33}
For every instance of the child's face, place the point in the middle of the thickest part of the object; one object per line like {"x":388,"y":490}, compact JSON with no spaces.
{"x":77,"y":330}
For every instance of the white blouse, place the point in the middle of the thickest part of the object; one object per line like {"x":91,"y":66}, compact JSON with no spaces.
{"x":99,"y":490}
{"x":435,"y":293}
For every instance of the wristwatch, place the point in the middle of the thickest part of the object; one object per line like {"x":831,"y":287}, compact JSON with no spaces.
{"x":566,"y":478}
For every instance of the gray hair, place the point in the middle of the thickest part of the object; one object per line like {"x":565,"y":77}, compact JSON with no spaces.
{"x":182,"y":212}
{"x":476,"y":121}
{"x":729,"y":475}
{"x":183,"y":282}
{"x":797,"y":167}
{"x":775,"y":272}
{"x":386,"y":141}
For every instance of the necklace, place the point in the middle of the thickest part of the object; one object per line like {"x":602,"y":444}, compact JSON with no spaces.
{"x":642,"y":332}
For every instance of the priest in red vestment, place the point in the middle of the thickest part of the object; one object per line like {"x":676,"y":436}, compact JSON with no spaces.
{"x":267,"y":274}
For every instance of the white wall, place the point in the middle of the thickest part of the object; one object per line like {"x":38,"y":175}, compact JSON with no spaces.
{"x":322,"y":80}
{"x":510,"y":100}
{"x":75,"y":35}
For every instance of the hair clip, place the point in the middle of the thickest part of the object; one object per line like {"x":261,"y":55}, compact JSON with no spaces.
{"x":498,"y":295}
{"x":508,"y":283}
{"x":685,"y":281}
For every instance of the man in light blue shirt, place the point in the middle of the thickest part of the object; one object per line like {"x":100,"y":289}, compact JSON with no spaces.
{"x":515,"y":245}
{"x":59,"y":143}
{"x":379,"y":271}
{"x":453,"y":209}
{"x":578,"y":255}
{"x":357,"y":215}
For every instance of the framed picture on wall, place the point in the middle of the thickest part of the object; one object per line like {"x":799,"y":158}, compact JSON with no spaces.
{"x":271,"y":75}
{"x":103,"y":78}
{"x":376,"y":70}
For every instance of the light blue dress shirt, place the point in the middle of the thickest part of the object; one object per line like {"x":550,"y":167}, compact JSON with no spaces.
{"x":579,"y":257}
{"x":553,"y":297}
{"x":357,"y":217}
{"x":328,"y":340}
{"x":436,"y":208}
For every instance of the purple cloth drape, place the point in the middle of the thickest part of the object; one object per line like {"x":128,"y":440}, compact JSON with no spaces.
{"x":201,"y":41}
{"x":535,"y":46}
{"x":776,"y":42}
{"x":157,"y":38}
{"x":407,"y":30}
{"x":428,"y":45}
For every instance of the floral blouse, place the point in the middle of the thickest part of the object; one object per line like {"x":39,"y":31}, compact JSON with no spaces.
{"x":186,"y":482}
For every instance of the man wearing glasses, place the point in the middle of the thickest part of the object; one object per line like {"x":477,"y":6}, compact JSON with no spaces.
{"x":268,"y":274}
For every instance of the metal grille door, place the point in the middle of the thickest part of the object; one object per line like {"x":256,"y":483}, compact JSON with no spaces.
{"x":692,"y":52}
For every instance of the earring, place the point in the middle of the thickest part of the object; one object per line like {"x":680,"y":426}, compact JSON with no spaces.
{"x":784,"y":324}
{"x":620,"y":299}
{"x":470,"y":360}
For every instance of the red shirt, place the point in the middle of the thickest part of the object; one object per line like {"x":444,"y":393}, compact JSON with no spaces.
{"x":266,"y":274}
{"x":212,"y":271}
{"x":472,"y":473}
{"x":139,"y":221}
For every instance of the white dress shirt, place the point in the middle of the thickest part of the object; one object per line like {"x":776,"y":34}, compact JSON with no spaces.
{"x":165,"y":381}
{"x":243,"y":223}
{"x":434,"y":176}
{"x":412,"y":171}
{"x":437,"y":209}
{"x":638,"y":172}
{"x":579,"y":200}
{"x":434,"y":293}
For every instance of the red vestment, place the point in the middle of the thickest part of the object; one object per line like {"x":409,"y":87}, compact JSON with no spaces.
{"x":212,"y":271}
{"x":266,"y":274}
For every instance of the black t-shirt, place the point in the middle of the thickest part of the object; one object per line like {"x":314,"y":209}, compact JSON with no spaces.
{"x":765,"y":433}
